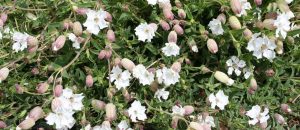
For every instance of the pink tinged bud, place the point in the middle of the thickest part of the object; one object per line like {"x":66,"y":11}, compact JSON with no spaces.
{"x":269,"y":24}
{"x":111,"y":112}
{"x":3,"y":17}
{"x":56,"y":103}
{"x":234,"y":23}
{"x":98,"y":105}
{"x":258,"y":2}
{"x":19,"y":89}
{"x":102,"y":54}
{"x":222,"y":77}
{"x":188,"y":110}
{"x":1,"y":23}
{"x":168,"y":14}
{"x":77,"y":28}
{"x":117,"y":62}
{"x":59,"y":43}
{"x":89,"y":81}
{"x":154,"y":26}
{"x":27,"y":124}
{"x":270,"y":72}
{"x":172,"y":37}
{"x":181,"y":14}
{"x":251,"y":91}
{"x":35,"y":71}
{"x":212,"y":46}
{"x":259,"y":24}
{"x":3,"y":73}
{"x":253,"y":84}
{"x":175,"y":21}
{"x":32,"y":49}
{"x":178,"y":4}
{"x":50,"y":79}
{"x":174,"y":122}
{"x":42,"y":87}
{"x":127,"y":64}
{"x":36,"y":113}
{"x":58,"y":90}
{"x":195,"y":126}
{"x":178,"y":29}
{"x":248,"y":34}
{"x":108,"y":54}
{"x":263,"y":126}
{"x":2,"y":124}
{"x":106,"y":123}
{"x":222,"y":18}
{"x":279,"y":48}
{"x":236,"y":6}
{"x":176,"y":66}
{"x":108,"y":17}
{"x":111,"y":36}
{"x":285,"y":108}
{"x":164,"y":25}
{"x":81,"y":11}
{"x":279,"y":118}
{"x":127,"y":95}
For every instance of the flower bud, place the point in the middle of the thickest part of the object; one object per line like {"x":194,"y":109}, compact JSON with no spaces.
{"x":67,"y":24}
{"x":175,"y":21}
{"x":106,"y":124}
{"x":58,"y":80}
{"x":32,"y":41}
{"x":3,"y":17}
{"x":77,"y":28}
{"x":279,"y":119}
{"x":270,"y":72}
{"x":178,"y":4}
{"x":154,"y":86}
{"x":89,"y":81}
{"x":290,"y":40}
{"x":111,"y":113}
{"x":1,"y":24}
{"x":3,"y":73}
{"x":127,"y":95}
{"x":258,"y":2}
{"x":102,"y":54}
{"x":269,"y":24}
{"x":279,"y":48}
{"x":263,"y":125}
{"x":36,"y":113}
{"x":154,"y":26}
{"x":164,"y":25}
{"x":108,"y":54}
{"x":110,"y":35}
{"x":234,"y":23}
{"x":242,"y":111}
{"x":58,"y":90}
{"x":117,"y":62}
{"x":178,"y":29}
{"x":248,"y":34}
{"x":127,"y":64}
{"x":50,"y":79}
{"x":253,"y":84}
{"x":98,"y":105}
{"x":108,"y":17}
{"x":205,"y":70}
{"x":81,"y":11}
{"x":285,"y":108}
{"x":236,"y":6}
{"x":212,"y":46}
{"x":176,"y":66}
{"x":188,"y":110}
{"x":222,"y":18}
{"x":174,"y":122}
{"x":259,"y":24}
{"x":222,"y":77}
{"x":181,"y":14}
{"x":168,"y":14}
{"x":26,"y":124}
{"x":56,"y":104}
{"x":19,"y":89}
{"x":42,"y":87}
{"x":172,"y":37}
{"x":59,"y":43}
{"x":2,"y":125}
{"x":251,"y":91}
{"x":195,"y":126}
{"x":35,"y":71}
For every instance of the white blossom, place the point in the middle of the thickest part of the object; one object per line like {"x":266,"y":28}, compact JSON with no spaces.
{"x":145,"y":77}
{"x":75,"y":99}
{"x":123,"y":125}
{"x":20,"y":40}
{"x":161,"y":94}
{"x":167,"y":76}
{"x":178,"y":110}
{"x":220,"y":100}
{"x":194,"y":48}
{"x":145,"y":32}
{"x":215,"y":26}
{"x":120,"y":78}
{"x":76,"y":40}
{"x":209,"y":120}
{"x":282,"y":25}
{"x":235,"y":64}
{"x":95,"y":21}
{"x":137,"y":111}
{"x":245,"y":6}
{"x":289,"y":1}
{"x":257,"y":116}
{"x":152,"y":2}
{"x":61,"y":120}
{"x":247,"y":72}
{"x":171,"y":49}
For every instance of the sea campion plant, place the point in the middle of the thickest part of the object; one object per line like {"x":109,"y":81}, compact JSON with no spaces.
{"x":149,"y":64}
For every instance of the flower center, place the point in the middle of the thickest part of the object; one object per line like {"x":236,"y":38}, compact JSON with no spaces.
{"x":264,"y":47}
{"x":96,"y":19}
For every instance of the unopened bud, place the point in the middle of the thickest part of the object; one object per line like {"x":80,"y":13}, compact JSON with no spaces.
{"x":154,"y":86}
{"x":236,"y":6}
{"x":279,"y":48}
{"x":263,"y":125}
{"x":290,"y":40}
{"x":258,"y":2}
{"x":270,"y":72}
{"x":172,"y":37}
{"x":176,"y":66}
{"x":248,"y":34}
{"x":98,"y":105}
{"x":181,"y":14}
{"x":259,"y":24}
{"x":89,"y":81}
{"x":35,"y":71}
{"x":178,"y":29}
{"x":81,"y":11}
{"x":26,"y":124}
{"x":279,"y":118}
{"x":174,"y":122}
{"x":164,"y":25}
{"x":59,"y":43}
{"x":3,"y":73}
{"x":42,"y":87}
{"x":66,"y":24}
{"x":127,"y":64}
{"x":108,"y":54}
{"x":127,"y":95}
{"x":195,"y":126}
{"x":58,"y":90}
{"x":110,"y":35}
{"x":212,"y":46}
{"x":205,"y":70}
{"x":108,"y":17}
{"x":285,"y":108}
{"x":269,"y":24}
{"x":222,"y":18}
{"x":178,"y":4}
{"x":175,"y":21}
{"x":58,"y":80}
{"x":222,"y":77}
{"x":3,"y":17}
{"x":117,"y":62}
{"x":102,"y":54}
{"x":251,"y":91}
{"x":168,"y":14}
{"x":36,"y":113}
{"x":234,"y":23}
{"x":19,"y":89}
{"x":50,"y":79}
{"x":77,"y":28}
{"x":188,"y":110}
{"x":111,"y":112}
{"x":253,"y":84}
{"x":2,"y":125}
{"x":32,"y":41}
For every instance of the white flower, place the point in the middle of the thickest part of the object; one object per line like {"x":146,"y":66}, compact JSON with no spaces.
{"x":215,"y":26}
{"x":262,"y":47}
{"x":123,"y":125}
{"x":282,"y":25}
{"x":0,"y":35}
{"x":171,"y":49}
{"x":20,"y":40}
{"x":61,"y":120}
{"x":220,"y":100}
{"x":161,"y":93}
{"x":95,"y":21}
{"x":76,"y":41}
{"x":75,"y":99}
{"x":167,"y":76}
{"x":137,"y":111}
{"x":152,"y":2}
{"x":145,"y":32}
{"x":247,"y":72}
{"x":209,"y":120}
{"x":235,"y":64}
{"x":257,"y":116}
{"x":245,"y":6}
{"x":145,"y":77}
{"x":288,"y":1}
{"x":163,"y":1}
{"x":194,"y":48}
{"x":120,"y":79}
{"x":178,"y":110}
